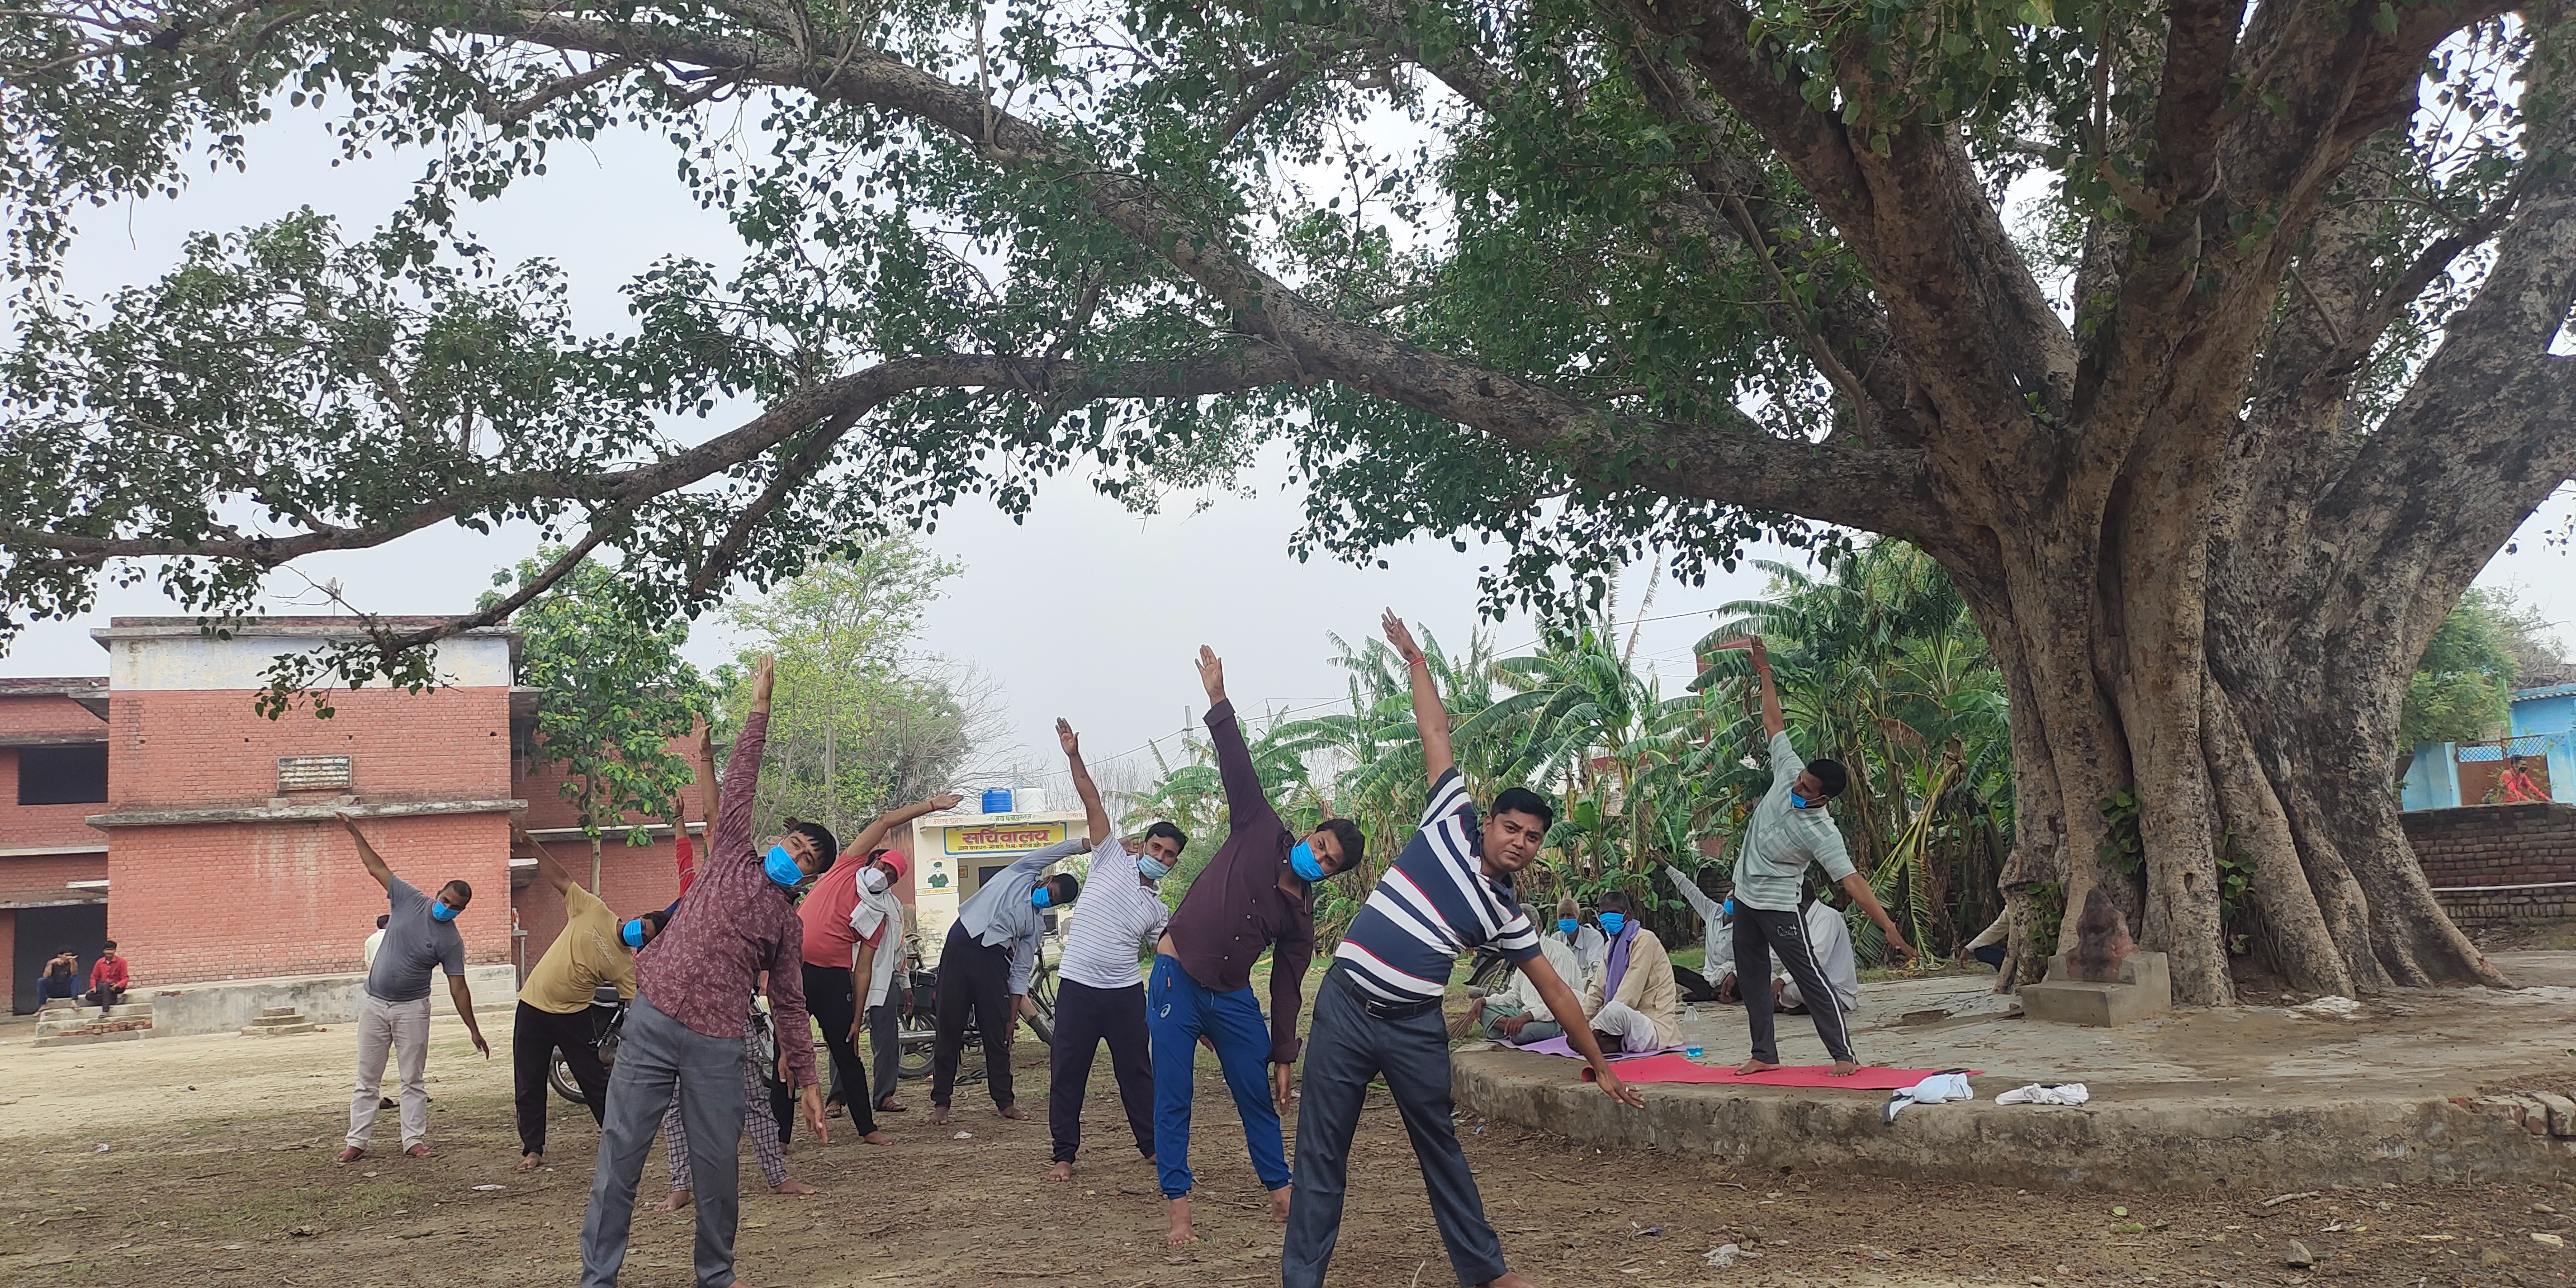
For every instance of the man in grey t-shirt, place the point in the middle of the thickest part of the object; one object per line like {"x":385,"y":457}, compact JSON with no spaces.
{"x":1789,"y":831}
{"x":420,"y":933}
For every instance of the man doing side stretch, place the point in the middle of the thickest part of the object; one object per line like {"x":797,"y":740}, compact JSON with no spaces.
{"x":831,"y":949}
{"x":991,"y":952}
{"x":1257,"y":893}
{"x":1101,"y":995}
{"x":394,"y":1013}
{"x":1378,"y":1012}
{"x":693,"y":989}
{"x":1788,"y":831}
{"x":594,"y":948}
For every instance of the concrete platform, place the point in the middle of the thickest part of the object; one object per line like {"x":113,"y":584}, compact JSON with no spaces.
{"x":230,"y":1005}
{"x":2399,"y":1091}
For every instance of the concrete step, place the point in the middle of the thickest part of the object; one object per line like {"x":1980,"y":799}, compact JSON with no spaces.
{"x":85,"y":1038}
{"x":51,"y":1028}
{"x":272,"y":1019}
{"x":262,"y":1028}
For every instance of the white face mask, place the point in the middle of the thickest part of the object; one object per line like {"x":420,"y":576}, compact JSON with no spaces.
{"x":874,"y":879}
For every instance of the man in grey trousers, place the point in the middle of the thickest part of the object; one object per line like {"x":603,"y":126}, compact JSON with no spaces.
{"x":684,"y":1033}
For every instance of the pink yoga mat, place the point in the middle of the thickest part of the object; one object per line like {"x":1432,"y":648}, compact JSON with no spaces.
{"x":1681,"y":1068}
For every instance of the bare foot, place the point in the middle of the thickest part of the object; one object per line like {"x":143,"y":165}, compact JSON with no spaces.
{"x":939,"y":1115}
{"x":1279,"y":1204}
{"x":1062,"y":1171}
{"x":530,"y":1162}
{"x":1012,"y":1112}
{"x":1749,"y":1066}
{"x":877,"y":1138}
{"x":793,"y":1186}
{"x":352,"y":1154}
{"x":675,"y":1201}
{"x":1846,"y":1068}
{"x":1180,"y":1232}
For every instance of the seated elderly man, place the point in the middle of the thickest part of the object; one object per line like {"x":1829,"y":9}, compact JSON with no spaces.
{"x":1633,"y":1002}
{"x":1829,"y":940}
{"x":1584,"y":941}
{"x":1517,"y":1014}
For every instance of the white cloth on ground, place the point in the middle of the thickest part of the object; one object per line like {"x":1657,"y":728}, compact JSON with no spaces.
{"x":1937,"y":1089}
{"x":2046,"y":1093}
{"x":1634,"y":1028}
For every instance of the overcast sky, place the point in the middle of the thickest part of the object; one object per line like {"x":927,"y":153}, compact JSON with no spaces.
{"x":1084,"y":610}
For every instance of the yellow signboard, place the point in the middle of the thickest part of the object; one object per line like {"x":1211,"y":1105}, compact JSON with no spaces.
{"x":999,"y":838}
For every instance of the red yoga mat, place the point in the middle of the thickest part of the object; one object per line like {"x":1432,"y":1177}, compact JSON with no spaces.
{"x":1681,"y":1068}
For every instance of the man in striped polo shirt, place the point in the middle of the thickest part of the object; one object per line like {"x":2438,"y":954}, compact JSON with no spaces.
{"x":1379,"y":1009}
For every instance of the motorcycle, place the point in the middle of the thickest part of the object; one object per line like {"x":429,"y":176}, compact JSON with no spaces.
{"x":607,"y":1016}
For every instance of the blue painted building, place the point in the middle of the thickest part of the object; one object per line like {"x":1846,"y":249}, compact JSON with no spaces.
{"x":2543,"y":727}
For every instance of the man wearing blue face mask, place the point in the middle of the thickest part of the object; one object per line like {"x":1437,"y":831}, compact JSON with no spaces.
{"x":420,"y":933}
{"x":1101,"y":996}
{"x":594,"y":948}
{"x":1788,"y":832}
{"x":684,"y":1033}
{"x":1257,"y":893}
{"x":985,"y":965}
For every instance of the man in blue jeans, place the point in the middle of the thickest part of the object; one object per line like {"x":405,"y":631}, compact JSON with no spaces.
{"x":1257,"y":893}
{"x":1378,"y":1013}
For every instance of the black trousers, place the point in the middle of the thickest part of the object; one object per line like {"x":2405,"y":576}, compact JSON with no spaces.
{"x":972,"y":976}
{"x":534,"y":1038}
{"x":1085,"y":1017}
{"x":1346,"y":1048}
{"x":1760,"y":935}
{"x":835,"y":1005}
{"x":885,"y":1039}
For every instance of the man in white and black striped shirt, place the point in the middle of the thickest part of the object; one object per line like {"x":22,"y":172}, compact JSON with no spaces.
{"x":1378,"y":1012}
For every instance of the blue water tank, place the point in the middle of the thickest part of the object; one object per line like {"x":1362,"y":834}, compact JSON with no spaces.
{"x":997,"y":800}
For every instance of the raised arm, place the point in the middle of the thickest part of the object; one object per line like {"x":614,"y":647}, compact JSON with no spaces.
{"x":883,"y":825}
{"x":1096,"y":815}
{"x":1430,"y":715}
{"x":706,"y":754}
{"x":367,"y":853}
{"x":1709,"y":910}
{"x":729,"y":839}
{"x":1773,"y":723}
{"x":1246,"y":805}
{"x":547,"y":868}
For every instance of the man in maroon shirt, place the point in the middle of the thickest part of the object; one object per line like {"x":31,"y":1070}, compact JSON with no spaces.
{"x":694,"y":985}
{"x":1257,"y":893}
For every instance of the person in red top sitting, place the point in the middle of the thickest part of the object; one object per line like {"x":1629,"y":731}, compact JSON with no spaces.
{"x":107,"y":980}
{"x":2518,"y":786}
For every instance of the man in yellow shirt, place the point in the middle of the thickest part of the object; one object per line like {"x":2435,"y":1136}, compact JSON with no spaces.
{"x":554,"y":1005}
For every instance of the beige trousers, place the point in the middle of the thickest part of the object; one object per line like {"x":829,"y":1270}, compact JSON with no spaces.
{"x":403,"y":1029}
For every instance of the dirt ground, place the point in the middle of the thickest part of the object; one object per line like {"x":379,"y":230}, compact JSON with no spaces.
{"x":207,"y":1161}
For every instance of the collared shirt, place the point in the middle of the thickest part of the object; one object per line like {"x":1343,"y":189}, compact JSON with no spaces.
{"x":1119,"y":915}
{"x":1235,"y":908}
{"x":734,"y":923}
{"x":1561,"y":958}
{"x":415,"y":942}
{"x":587,"y":954}
{"x":1434,"y":903}
{"x":999,"y":915}
{"x":107,"y":970}
{"x":1717,"y":936}
{"x":1781,"y":840}
{"x":1589,"y":948}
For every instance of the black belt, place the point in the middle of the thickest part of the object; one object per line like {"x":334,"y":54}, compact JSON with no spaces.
{"x":1382,"y":1010}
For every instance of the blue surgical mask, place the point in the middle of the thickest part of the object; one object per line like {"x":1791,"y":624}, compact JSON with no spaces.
{"x":1040,"y":897}
{"x":634,"y":933}
{"x":1568,"y":925}
{"x":1302,"y":861}
{"x":1612,"y":923}
{"x":439,"y":911}
{"x":1797,"y":801}
{"x":1152,"y":869}
{"x":781,"y":867}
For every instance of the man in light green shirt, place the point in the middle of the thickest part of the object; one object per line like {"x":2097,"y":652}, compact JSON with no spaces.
{"x":1789,"y":831}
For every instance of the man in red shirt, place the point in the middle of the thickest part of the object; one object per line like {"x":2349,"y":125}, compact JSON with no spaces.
{"x":107,"y":980}
{"x":832,"y":945}
{"x":684,"y":1033}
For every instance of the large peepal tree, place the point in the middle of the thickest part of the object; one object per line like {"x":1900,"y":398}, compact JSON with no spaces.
{"x":2211,"y":347}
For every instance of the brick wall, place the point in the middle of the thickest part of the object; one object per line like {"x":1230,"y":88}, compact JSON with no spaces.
{"x":206,"y":748}
{"x":2477,"y":909}
{"x":2494,"y":845}
{"x":50,"y":713}
{"x":26,"y":873}
{"x":243,"y":900}
{"x":539,"y":782}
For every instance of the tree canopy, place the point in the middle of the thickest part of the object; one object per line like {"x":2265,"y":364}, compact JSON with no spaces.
{"x":2209,"y":347}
